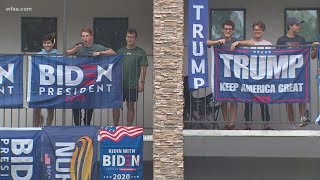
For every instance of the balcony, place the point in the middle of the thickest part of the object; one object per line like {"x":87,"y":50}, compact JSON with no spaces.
{"x":21,"y":118}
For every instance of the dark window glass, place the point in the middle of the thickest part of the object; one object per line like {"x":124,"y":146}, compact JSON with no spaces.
{"x":110,"y":32}
{"x":32,"y":31}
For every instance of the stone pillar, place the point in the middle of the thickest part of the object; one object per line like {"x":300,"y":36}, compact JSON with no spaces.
{"x":168,"y":24}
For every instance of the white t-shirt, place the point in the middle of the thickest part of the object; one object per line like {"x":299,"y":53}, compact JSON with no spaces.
{"x":263,"y":42}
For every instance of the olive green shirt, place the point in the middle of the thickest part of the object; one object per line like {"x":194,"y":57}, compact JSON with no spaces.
{"x":132,"y":62}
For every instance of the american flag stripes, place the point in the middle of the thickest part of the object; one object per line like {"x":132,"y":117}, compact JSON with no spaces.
{"x":117,"y":133}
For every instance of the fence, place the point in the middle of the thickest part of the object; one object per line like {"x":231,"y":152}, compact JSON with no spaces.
{"x":101,"y":117}
{"x":203,"y":112}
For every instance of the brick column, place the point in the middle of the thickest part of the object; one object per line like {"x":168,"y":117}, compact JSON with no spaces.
{"x":168,"y":23}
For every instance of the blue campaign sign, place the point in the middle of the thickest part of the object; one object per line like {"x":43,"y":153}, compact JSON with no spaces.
{"x":121,"y":153}
{"x":11,"y":81}
{"x":20,"y":154}
{"x":262,"y":76}
{"x":82,"y":82}
{"x":197,"y":48}
{"x":70,"y":152}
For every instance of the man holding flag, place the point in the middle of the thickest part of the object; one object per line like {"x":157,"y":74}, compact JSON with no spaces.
{"x":258,"y":31}
{"x":292,"y":39}
{"x":87,"y":49}
{"x":226,"y":41}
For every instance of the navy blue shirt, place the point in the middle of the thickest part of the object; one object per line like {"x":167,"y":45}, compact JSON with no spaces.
{"x":296,"y":41}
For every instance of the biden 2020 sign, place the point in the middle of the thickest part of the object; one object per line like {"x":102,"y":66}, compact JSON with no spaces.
{"x":121,"y":153}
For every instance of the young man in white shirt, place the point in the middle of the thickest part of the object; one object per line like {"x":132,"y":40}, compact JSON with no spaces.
{"x":258,"y":31}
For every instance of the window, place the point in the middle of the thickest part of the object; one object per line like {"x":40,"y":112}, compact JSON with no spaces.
{"x":32,"y":31}
{"x":310,"y":27}
{"x":237,"y":16}
{"x":110,"y":32}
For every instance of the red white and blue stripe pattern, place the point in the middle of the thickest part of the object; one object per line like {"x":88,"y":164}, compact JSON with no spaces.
{"x":90,"y":73}
{"x":117,"y":133}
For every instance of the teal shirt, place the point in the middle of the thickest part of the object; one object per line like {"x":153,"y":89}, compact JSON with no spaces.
{"x":52,"y":51}
{"x":132,"y":62}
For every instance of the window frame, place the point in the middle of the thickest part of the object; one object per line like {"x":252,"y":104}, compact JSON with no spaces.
{"x":24,"y":29}
{"x":301,"y":9}
{"x":228,"y":9}
{"x":122,"y":39}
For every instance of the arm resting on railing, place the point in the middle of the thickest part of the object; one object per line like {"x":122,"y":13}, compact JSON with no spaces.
{"x":249,"y":42}
{"x":314,"y":51}
{"x":214,"y":42}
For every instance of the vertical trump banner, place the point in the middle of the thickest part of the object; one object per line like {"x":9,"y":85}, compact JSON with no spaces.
{"x":197,"y":48}
{"x":70,"y":153}
{"x":20,"y":154}
{"x":11,"y":81}
{"x":121,"y":153}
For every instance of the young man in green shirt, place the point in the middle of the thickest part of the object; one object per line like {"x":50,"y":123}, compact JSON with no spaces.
{"x":134,"y":67}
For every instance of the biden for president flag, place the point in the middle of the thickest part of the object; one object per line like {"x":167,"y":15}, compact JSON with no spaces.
{"x":82,"y":82}
{"x":20,"y":154}
{"x":70,"y":153}
{"x":262,"y":76}
{"x":121,"y":153}
{"x":11,"y":81}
